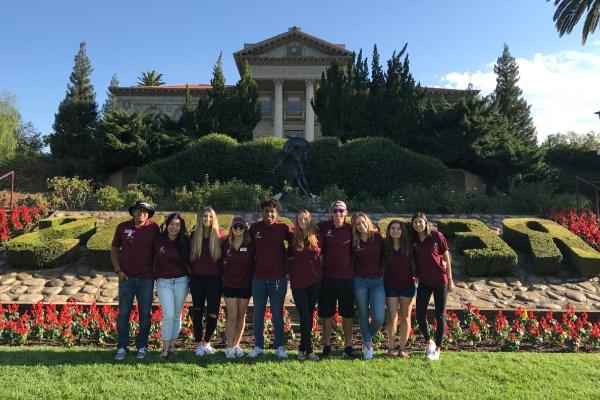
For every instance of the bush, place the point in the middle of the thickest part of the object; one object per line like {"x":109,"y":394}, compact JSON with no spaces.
{"x":329,"y":195}
{"x":547,"y":242}
{"x":292,"y":200}
{"x":32,"y":171}
{"x":321,"y":168}
{"x":255,"y":160}
{"x":486,"y":254}
{"x":141,"y":191}
{"x":364,"y":202}
{"x":384,"y":222}
{"x":100,"y":243}
{"x":439,"y":198}
{"x":69,"y":193}
{"x":534,"y":198}
{"x":108,"y":198}
{"x":81,"y":228}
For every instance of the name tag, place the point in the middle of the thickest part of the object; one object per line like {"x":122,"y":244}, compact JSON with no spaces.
{"x":243,"y":249}
{"x":128,"y":232}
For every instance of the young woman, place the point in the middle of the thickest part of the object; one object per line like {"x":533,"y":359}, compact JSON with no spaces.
{"x":238,"y":268}
{"x":434,"y":270}
{"x":171,"y":263}
{"x":369,"y":292}
{"x":399,"y":283}
{"x":205,"y":280}
{"x":305,"y":278}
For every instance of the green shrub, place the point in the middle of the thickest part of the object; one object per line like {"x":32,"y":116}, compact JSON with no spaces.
{"x":486,"y":254}
{"x":34,"y":200}
{"x":384,"y":222}
{"x":292,"y":200}
{"x":141,"y":191}
{"x":321,"y":168}
{"x":255,"y":162}
{"x":364,"y":202}
{"x":330,"y":194}
{"x":69,"y":193}
{"x":439,"y":198}
{"x":548,"y":243}
{"x":108,"y":198}
{"x":33,"y":251}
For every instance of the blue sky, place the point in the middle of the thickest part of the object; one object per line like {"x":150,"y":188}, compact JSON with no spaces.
{"x":451,"y":43}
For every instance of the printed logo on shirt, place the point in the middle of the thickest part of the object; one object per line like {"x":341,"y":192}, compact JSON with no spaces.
{"x":128,"y":232}
{"x":257,"y":236}
{"x":329,"y":233}
{"x":162,"y":250}
{"x":243,"y":249}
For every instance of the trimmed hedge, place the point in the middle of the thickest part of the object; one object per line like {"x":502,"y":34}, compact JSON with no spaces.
{"x":384,"y":222}
{"x":486,"y":254}
{"x":549,"y":243}
{"x":81,"y":228}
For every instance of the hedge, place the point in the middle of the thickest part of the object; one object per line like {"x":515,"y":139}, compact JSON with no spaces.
{"x":384,"y":222}
{"x":53,"y":245}
{"x":486,"y":254}
{"x":548,"y":243}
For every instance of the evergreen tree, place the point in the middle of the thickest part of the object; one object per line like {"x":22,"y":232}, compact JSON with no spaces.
{"x":244,"y":107}
{"x":111,"y":101}
{"x":508,"y":97}
{"x":77,"y":114}
{"x":218,"y":97}
{"x":187,"y":121}
{"x":29,"y":140}
{"x":376,"y":99}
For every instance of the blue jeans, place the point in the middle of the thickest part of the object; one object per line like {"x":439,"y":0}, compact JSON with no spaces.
{"x":369,"y":295}
{"x":171,"y":294}
{"x":140,"y":288}
{"x":275,"y":291}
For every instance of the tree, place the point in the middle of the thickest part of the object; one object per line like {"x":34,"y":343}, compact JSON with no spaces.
{"x":150,"y":78}
{"x":569,"y":12}
{"x":376,"y":98}
{"x":77,"y":114}
{"x":29,"y":139}
{"x":187,"y":121}
{"x":111,"y":101}
{"x":245,"y":108}
{"x":10,"y":120}
{"x":508,"y":97}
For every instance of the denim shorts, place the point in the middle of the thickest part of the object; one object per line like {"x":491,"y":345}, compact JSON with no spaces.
{"x":410,"y":292}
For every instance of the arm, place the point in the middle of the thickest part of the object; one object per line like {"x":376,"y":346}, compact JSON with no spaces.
{"x":114,"y":258}
{"x":448,"y":260}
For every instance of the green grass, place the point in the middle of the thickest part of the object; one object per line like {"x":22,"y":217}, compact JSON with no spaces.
{"x":90,"y":373}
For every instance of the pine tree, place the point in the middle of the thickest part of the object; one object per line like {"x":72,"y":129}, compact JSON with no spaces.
{"x":77,"y":114}
{"x":218,"y":96}
{"x":508,"y":97}
{"x":244,"y":107}
{"x":187,"y":121}
{"x":110,"y":103}
{"x":376,"y":99}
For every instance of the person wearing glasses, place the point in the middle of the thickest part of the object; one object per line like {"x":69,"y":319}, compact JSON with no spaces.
{"x":238,"y":268}
{"x":337,"y":289}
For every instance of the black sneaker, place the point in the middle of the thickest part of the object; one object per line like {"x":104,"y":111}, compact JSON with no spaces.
{"x":326,"y":351}
{"x":349,"y":352}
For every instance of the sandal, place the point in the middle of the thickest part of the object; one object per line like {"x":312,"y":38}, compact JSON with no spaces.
{"x":392,"y":353}
{"x":403,"y":354}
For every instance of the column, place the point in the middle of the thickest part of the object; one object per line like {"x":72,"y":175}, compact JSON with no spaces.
{"x":278,"y":109}
{"x":309,"y":116}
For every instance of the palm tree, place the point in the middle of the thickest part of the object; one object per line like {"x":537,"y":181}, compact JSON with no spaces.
{"x":151,"y":78}
{"x":568,"y":13}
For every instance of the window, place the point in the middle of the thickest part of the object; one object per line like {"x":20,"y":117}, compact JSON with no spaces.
{"x":290,"y":134}
{"x":293,"y":107}
{"x":266,"y":107}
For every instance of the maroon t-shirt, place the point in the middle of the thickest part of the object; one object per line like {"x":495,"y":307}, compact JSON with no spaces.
{"x":428,"y":257}
{"x":270,"y":249}
{"x":205,"y":265}
{"x":335,"y":247}
{"x":136,"y":258}
{"x":167,"y":261}
{"x":306,"y":267}
{"x":238,"y":265}
{"x":398,"y":272}
{"x":367,"y":257}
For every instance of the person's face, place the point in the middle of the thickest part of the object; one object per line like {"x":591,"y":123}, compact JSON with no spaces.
{"x":303,"y":220}
{"x":140,"y":215}
{"x":419,"y":224}
{"x":207,"y":219}
{"x":395,"y":231}
{"x":338,"y":215}
{"x":238,"y":230}
{"x":361,"y":225}
{"x":174,"y":227}
{"x":269,"y":215}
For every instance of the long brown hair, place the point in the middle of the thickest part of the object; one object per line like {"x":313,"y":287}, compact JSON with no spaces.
{"x":214,"y":242}
{"x":300,"y":235}
{"x":428,"y":227}
{"x":405,"y":242}
{"x":370,"y":228}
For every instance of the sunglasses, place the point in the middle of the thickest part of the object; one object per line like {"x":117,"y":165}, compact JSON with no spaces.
{"x":338,"y":211}
{"x":238,"y":226}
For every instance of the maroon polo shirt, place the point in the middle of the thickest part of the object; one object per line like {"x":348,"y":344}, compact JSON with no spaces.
{"x":167,"y":261}
{"x":335,"y":248}
{"x":205,"y":265}
{"x":270,"y":249}
{"x":306,"y":267}
{"x":136,"y":257}
{"x":398,"y":272}
{"x":428,"y":256}
{"x":367,"y":258}
{"x":238,"y":265}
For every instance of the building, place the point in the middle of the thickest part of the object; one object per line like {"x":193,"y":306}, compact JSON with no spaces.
{"x":286,"y":68}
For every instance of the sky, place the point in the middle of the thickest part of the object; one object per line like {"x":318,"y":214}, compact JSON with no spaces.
{"x":450,"y":44}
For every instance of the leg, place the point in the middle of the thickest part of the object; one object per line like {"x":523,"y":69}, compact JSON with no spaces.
{"x":144,"y":296}
{"x":346,"y":302}
{"x":440,"y":296}
{"x":126,"y":296}
{"x":213,"y":303}
{"x":180,"y":292}
{"x":166,"y":297}
{"x":241,"y":320}
{"x":392,"y":321}
{"x":232,"y":322}
{"x":361,"y":296}
{"x":198,"y":291}
{"x":406,"y":304}
{"x":277,"y":293}
{"x":376,"y":304}
{"x":313,"y":296}
{"x":301,"y":300}
{"x":259,"y":293}
{"x":423,"y":295}
{"x":327,"y":300}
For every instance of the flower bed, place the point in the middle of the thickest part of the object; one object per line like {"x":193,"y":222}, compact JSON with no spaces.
{"x":583,"y":224}
{"x":23,"y":219}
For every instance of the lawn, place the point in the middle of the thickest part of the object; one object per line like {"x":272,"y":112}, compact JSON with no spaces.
{"x":90,"y":373}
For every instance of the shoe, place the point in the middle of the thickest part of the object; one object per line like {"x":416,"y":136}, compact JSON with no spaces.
{"x":312,"y":357}
{"x":230,"y":352}
{"x":141,"y":353}
{"x":121,"y":353}
{"x":199,"y":351}
{"x":281,"y":353}
{"x":434,"y":356}
{"x":392,"y":353}
{"x":257,"y":351}
{"x":368,"y":352}
{"x":430,"y":348}
{"x":349,"y":352}
{"x":301,"y":355}
{"x":164,"y":355}
{"x":208,"y":349}
{"x":238,"y":351}
{"x":172,"y":351}
{"x":326,"y":351}
{"x":403,"y":354}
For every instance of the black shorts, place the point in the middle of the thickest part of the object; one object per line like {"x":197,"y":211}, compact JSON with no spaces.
{"x":336,"y":290}
{"x":237,"y":293}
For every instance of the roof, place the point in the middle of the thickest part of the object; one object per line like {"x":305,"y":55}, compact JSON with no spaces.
{"x":197,"y":88}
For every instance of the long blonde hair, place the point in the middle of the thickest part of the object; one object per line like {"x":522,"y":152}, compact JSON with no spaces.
{"x":214,"y":242}
{"x":310,"y":231}
{"x":356,"y":234}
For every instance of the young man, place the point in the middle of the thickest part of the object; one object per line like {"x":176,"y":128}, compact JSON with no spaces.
{"x":269,"y":280}
{"x":337,"y":286}
{"x":133,"y":260}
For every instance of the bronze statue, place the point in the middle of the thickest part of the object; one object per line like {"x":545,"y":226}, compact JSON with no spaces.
{"x":295,"y":153}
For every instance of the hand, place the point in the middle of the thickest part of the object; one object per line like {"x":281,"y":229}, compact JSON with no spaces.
{"x":122,"y":276}
{"x":444,"y":265}
{"x":450,"y":285}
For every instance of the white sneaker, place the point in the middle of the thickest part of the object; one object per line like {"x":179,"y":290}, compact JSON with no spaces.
{"x":238,"y":351}
{"x":230,"y":352}
{"x":208,"y":349}
{"x":281,"y":353}
{"x":368,"y":353}
{"x":199,"y":351}
{"x":430,"y":348}
{"x":434,"y":356}
{"x":257,"y":351}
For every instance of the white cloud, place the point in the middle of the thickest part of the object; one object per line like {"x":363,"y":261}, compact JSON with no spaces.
{"x":563,"y":89}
